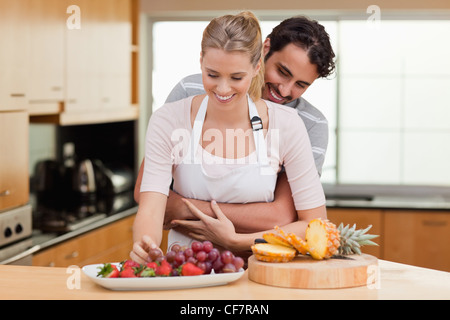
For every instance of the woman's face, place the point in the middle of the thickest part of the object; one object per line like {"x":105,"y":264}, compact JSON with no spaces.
{"x":226,"y":75}
{"x":288,"y":73}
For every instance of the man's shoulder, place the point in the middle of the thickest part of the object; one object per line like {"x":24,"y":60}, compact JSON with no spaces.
{"x":307,"y":111}
{"x":193,"y":81}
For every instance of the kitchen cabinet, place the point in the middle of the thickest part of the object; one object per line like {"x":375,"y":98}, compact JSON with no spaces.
{"x":419,"y":238}
{"x":111,"y":243}
{"x":14,"y":54}
{"x":14,"y":181}
{"x":46,"y":73}
{"x":98,"y":63}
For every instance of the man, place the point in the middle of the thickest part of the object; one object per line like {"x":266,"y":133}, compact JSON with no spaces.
{"x":296,"y":53}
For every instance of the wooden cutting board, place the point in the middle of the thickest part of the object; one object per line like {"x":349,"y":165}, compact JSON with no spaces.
{"x":307,"y":273}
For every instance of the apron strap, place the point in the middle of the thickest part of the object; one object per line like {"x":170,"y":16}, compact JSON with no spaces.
{"x":258,"y":135}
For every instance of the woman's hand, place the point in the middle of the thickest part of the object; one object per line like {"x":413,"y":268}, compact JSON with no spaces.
{"x":219,"y":230}
{"x":141,"y":249}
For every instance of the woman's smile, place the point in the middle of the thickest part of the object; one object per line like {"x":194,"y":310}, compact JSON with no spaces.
{"x":224,"y":99}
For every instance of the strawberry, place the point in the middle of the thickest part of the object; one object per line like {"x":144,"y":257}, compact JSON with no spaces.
{"x":146,"y":272}
{"x":152,"y":265}
{"x":190,"y":269}
{"x":108,"y":271}
{"x":164,"y":269}
{"x":128,"y":273}
{"x":129,"y":264}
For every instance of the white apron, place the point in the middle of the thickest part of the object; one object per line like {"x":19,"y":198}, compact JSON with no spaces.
{"x":253,"y":182}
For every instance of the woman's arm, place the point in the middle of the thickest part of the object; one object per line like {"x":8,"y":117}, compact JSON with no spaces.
{"x":147,"y":227}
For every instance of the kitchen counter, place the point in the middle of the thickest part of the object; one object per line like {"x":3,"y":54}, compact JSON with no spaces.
{"x":397,"y":281}
{"x":43,"y":240}
{"x":387,"y":197}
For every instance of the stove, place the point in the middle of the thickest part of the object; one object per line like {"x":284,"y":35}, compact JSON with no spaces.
{"x":61,"y":216}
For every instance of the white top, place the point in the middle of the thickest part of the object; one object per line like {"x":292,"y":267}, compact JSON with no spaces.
{"x":287,"y":144}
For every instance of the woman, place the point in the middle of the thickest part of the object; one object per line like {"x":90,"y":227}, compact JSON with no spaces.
{"x":210,"y":165}
{"x":296,"y":52}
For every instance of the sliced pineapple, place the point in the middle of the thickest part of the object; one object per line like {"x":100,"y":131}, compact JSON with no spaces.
{"x":322,"y":238}
{"x":322,"y":241}
{"x":298,"y":243}
{"x":274,"y":238}
{"x":272,"y":252}
{"x":271,"y":259}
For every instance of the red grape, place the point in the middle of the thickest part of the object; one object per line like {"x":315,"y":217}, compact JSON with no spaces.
{"x":170,"y":256}
{"x":179,"y":258}
{"x":213,"y":254}
{"x":227,"y":257}
{"x":191,"y":260}
{"x":238,"y":263}
{"x":208,"y":267}
{"x":197,"y":246}
{"x":188,"y":253}
{"x":207,"y":246}
{"x":228,"y":267}
{"x":154,"y":254}
{"x":201,"y":255}
{"x":217,"y":265}
{"x":201,"y":265}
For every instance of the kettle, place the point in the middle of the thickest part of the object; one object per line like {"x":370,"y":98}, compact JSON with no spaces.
{"x":83,"y":178}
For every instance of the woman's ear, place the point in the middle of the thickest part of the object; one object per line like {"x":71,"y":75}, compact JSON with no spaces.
{"x":258,"y":67}
{"x":266,"y":47}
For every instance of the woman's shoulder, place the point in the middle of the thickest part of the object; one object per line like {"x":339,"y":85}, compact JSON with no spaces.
{"x":280,"y":115}
{"x":173,"y":113}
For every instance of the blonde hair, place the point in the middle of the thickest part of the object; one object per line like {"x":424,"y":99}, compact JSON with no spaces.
{"x":242,"y":33}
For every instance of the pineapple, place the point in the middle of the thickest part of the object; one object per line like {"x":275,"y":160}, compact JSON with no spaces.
{"x":322,"y":241}
{"x":352,"y":239}
{"x":273,"y":252}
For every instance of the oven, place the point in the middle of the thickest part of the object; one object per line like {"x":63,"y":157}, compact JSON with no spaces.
{"x":16,"y":245}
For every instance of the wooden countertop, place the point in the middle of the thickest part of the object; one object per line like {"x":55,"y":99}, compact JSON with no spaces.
{"x":397,"y":281}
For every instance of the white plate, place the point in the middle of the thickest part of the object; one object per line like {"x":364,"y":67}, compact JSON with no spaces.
{"x":160,"y":283}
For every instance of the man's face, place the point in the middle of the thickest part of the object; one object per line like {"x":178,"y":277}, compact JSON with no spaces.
{"x":288,"y":73}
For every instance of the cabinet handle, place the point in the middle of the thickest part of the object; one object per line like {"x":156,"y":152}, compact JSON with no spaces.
{"x":17,"y":95}
{"x":56,"y":88}
{"x":72,"y":255}
{"x":433,"y":223}
{"x":5,"y":193}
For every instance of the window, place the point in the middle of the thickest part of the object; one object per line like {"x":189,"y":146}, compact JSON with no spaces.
{"x":388,"y":106}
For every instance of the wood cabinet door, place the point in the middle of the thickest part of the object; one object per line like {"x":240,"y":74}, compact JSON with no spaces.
{"x":46,"y":74}
{"x":419,"y":238}
{"x":115,"y":32}
{"x":14,"y":54}
{"x":111,"y":243}
{"x":14,"y":180}
{"x":99,"y":57}
{"x":83,"y":59}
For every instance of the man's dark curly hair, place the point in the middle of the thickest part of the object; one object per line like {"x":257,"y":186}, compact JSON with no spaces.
{"x":309,"y":35}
